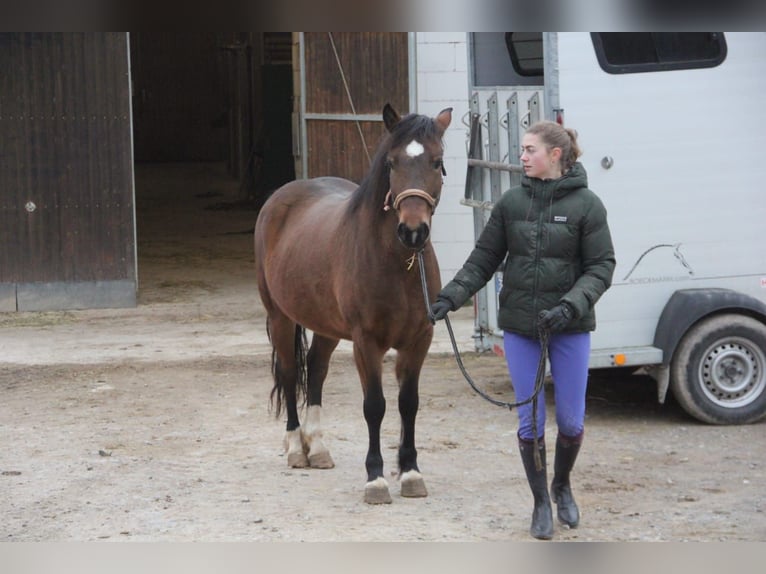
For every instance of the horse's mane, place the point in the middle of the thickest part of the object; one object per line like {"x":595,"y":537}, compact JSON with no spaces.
{"x":374,"y":186}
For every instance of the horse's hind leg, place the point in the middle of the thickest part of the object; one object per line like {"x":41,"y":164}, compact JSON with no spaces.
{"x":286,"y":374}
{"x":317,"y":361}
{"x":408,"y":366}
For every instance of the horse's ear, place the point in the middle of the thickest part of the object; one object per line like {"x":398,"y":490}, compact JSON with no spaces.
{"x":444,"y":118}
{"x":390,"y":117}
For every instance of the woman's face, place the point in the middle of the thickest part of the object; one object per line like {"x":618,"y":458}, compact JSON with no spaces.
{"x":537,"y":160}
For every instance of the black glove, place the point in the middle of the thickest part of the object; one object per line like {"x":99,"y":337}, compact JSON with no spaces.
{"x":556,"y":318}
{"x":440,"y":308}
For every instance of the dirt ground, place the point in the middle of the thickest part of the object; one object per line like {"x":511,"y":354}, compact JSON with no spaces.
{"x":152,"y":424}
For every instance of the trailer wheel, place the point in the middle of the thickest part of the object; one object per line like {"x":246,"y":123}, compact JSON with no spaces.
{"x":718,"y":372}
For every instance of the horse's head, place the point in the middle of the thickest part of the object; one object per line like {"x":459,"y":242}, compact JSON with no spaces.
{"x":416,"y":168}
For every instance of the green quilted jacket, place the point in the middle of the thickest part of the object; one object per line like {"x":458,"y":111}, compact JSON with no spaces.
{"x":553,"y":238}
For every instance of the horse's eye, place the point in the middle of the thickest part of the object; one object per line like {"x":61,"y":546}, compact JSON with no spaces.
{"x":389,"y":163}
{"x":438,"y":164}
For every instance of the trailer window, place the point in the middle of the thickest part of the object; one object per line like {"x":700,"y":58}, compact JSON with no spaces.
{"x":633,"y":52}
{"x":507,"y":58}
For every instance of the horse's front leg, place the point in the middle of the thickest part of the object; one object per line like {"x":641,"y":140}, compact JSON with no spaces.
{"x":318,"y":360}
{"x":369,"y":363}
{"x":408,"y":365}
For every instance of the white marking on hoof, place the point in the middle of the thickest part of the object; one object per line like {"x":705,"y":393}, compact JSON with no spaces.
{"x":414,"y":149}
{"x":321,"y":460}
{"x":376,"y":492}
{"x":297,"y":460}
{"x":318,"y":453}
{"x":413,"y":485}
{"x":296,"y":456}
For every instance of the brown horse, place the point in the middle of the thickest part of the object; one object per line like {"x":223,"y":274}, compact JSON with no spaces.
{"x":339,"y":260}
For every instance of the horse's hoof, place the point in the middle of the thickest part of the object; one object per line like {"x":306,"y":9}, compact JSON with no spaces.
{"x":297,"y":460}
{"x":321,"y":460}
{"x":376,"y":492}
{"x":296,"y":453}
{"x":413,"y":485}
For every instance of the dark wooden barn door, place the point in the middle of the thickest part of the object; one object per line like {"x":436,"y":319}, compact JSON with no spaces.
{"x":67,"y":233}
{"x":347,"y":78}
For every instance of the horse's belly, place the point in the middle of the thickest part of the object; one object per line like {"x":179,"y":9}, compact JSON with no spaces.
{"x":300,"y":279}
{"x":315,"y":311}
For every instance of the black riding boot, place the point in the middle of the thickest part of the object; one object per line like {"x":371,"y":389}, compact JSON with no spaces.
{"x":561,"y":493}
{"x":542,"y":515}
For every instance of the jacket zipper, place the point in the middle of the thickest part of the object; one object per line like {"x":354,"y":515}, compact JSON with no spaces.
{"x":540,"y":201}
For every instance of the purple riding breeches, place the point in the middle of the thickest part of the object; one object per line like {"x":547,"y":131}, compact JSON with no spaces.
{"x":568,"y":353}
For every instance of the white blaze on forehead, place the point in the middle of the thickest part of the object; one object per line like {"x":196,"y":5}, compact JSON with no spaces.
{"x":415,"y":148}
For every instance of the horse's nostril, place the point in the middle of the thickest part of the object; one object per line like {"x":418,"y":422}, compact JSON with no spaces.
{"x":407,"y":236}
{"x":413,"y":238}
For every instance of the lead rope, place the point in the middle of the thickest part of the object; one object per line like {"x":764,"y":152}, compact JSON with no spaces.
{"x":539,"y":377}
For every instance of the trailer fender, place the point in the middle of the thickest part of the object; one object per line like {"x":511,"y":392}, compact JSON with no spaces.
{"x":685,"y":308}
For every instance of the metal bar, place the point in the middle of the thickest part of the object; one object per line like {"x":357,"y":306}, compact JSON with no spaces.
{"x":475,"y":180}
{"x":476,"y":204}
{"x":473,"y":177}
{"x":498,"y":165}
{"x":493,"y":124}
{"x":345,"y":117}
{"x":551,"y":67}
{"x":514,"y":135}
{"x":412,"y":67}
{"x":534,"y":108}
{"x":302,"y":120}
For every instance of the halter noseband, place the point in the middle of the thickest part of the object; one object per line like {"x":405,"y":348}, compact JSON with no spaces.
{"x":387,"y":203}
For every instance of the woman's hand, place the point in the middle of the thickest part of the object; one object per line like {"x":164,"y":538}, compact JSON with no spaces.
{"x":440,"y":308}
{"x":556,"y":318}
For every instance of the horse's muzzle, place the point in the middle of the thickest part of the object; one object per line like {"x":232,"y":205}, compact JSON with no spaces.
{"x":413,"y":238}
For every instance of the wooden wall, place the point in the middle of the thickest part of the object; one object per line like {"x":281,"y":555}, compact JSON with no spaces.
{"x":67,"y":233}
{"x":375,"y":66}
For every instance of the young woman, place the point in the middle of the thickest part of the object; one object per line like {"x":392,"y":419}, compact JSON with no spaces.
{"x":552,"y":233}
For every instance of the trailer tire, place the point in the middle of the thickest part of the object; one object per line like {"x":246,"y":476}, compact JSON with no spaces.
{"x":718,"y":372}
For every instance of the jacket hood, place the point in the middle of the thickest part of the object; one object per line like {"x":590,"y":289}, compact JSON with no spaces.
{"x":575,"y":178}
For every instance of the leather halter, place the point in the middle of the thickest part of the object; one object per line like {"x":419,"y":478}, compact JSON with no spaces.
{"x":404,"y":195}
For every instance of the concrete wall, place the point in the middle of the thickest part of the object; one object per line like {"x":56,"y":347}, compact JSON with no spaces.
{"x":442,"y":81}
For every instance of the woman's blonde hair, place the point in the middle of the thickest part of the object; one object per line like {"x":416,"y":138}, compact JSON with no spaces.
{"x":554,"y":135}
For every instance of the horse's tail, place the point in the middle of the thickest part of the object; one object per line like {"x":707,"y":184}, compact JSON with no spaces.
{"x":278,"y":391}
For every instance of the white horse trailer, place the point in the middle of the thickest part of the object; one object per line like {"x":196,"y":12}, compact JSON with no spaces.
{"x":673,"y":130}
